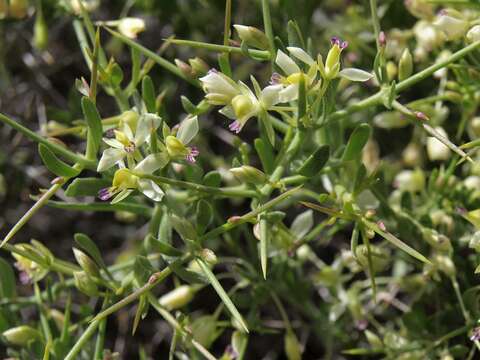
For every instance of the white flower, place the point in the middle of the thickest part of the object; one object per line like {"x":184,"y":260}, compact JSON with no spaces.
{"x":410,"y":180}
{"x":177,"y":145}
{"x":452,"y":27}
{"x":247,"y":105}
{"x":220,"y":88}
{"x":473,"y":34}
{"x":131,"y":27}
{"x":88,"y":5}
{"x":428,"y":36}
{"x":436,"y":150}
{"x":126,"y":143}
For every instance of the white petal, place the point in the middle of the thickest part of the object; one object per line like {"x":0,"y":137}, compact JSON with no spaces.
{"x":109,"y":158}
{"x":290,"y":93}
{"x":113,"y":143}
{"x":150,"y":189}
{"x":188,"y":129}
{"x":286,"y":64}
{"x":301,"y":55}
{"x":218,"y":83}
{"x":271,"y":95}
{"x":146,"y":124}
{"x":227,"y":111}
{"x":152,"y":163}
{"x":122,"y":195}
{"x":353,"y":74}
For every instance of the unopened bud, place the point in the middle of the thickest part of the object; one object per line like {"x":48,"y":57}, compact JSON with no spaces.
{"x":184,"y":68}
{"x":475,"y":242}
{"x":177,"y":298}
{"x":40,"y":30}
{"x":293,"y":349}
{"x":252,"y":36}
{"x":436,"y":150}
{"x":408,"y":180}
{"x":392,"y":70}
{"x":131,"y":27}
{"x":208,"y":256}
{"x":405,"y":65}
{"x":199,"y":67}
{"x":444,"y":264}
{"x":437,"y":241}
{"x":88,"y":5}
{"x":451,"y":23}
{"x":382,"y":39}
{"x":473,"y":34}
{"x":249,"y":174}
{"x":86,"y":263}
{"x":379,"y":257}
{"x":84,"y":283}
{"x":21,"y":335}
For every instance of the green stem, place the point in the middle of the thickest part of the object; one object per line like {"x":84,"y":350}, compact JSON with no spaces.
{"x":376,"y":22}
{"x":267,"y":24}
{"x":80,"y":344}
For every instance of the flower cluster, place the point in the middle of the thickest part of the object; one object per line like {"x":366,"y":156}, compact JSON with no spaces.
{"x":240,"y":103}
{"x":132,"y":150}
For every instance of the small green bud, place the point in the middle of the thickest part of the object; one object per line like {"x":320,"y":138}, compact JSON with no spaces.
{"x":292,"y":346}
{"x":185,"y":68}
{"x":199,"y":67}
{"x":328,"y":276}
{"x":177,"y":298}
{"x":249,"y":174}
{"x":373,"y":339}
{"x":405,"y":65}
{"x":392,"y":70}
{"x":437,"y":241}
{"x":208,"y":256}
{"x":21,"y":335}
{"x":84,"y":283}
{"x":444,"y":264}
{"x":175,"y":148}
{"x":40,"y":30}
{"x":86,"y":263}
{"x":252,"y":36}
{"x":380,"y":257}
{"x":473,"y":34}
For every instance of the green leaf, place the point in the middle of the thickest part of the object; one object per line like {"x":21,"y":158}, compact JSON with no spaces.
{"x":315,"y":162}
{"x":148,"y":93}
{"x":95,"y":129}
{"x":142,"y":269}
{"x":302,"y":224}
{"x":7,"y":280}
{"x":141,"y":312}
{"x":54,"y":164}
{"x":183,"y":227}
{"x":116,"y":75}
{"x":86,"y":187}
{"x":212,"y":179}
{"x":264,"y":240}
{"x":356,"y":142}
{"x":295,"y":37}
{"x":86,"y":244}
{"x":396,"y":241}
{"x":265,"y":153}
{"x":156,"y":245}
{"x":221,"y":293}
{"x":204,"y":215}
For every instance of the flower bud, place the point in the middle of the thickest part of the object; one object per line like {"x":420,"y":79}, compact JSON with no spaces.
{"x":199,"y":67}
{"x":208,"y":256}
{"x":40,"y":30}
{"x":475,"y":242}
{"x":410,"y":180}
{"x":419,"y":8}
{"x":405,"y":66}
{"x":177,"y":298}
{"x":328,"y":276}
{"x":412,"y":155}
{"x":452,"y":26}
{"x":473,"y":34}
{"x":293,"y":349}
{"x":252,"y":36}
{"x":84,"y":283}
{"x":438,"y":241}
{"x":175,"y":147}
{"x":131,"y":27}
{"x":332,"y":63}
{"x":436,"y":150}
{"x":249,"y":174}
{"x":380,"y":257}
{"x":184,"y":68}
{"x":86,"y":263}
{"x":392,"y":70}
{"x":390,"y":120}
{"x":21,"y":335}
{"x":18,"y":8}
{"x":444,"y":264}
{"x":88,"y":5}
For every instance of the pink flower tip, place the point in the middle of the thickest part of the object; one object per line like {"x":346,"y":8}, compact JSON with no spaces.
{"x":104,"y":194}
{"x":382,"y":226}
{"x":192,"y":154}
{"x":382,"y":39}
{"x":235,"y":127}
{"x":421,"y":116}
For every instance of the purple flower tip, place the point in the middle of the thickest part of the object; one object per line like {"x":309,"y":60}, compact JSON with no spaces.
{"x":104,"y":194}
{"x":382,"y":38}
{"x":24,"y":278}
{"x":343,"y":45}
{"x":335,"y":41}
{"x":235,"y":127}
{"x":213,"y":71}
{"x":475,"y":334}
{"x":275,"y":79}
{"x":382,"y":226}
{"x":192,"y":154}
{"x":421,"y":116}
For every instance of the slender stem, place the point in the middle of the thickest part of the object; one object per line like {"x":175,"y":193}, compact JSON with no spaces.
{"x":228,"y":20}
{"x":80,"y":344}
{"x":267,"y":24}
{"x":261,"y":54}
{"x":376,"y":22}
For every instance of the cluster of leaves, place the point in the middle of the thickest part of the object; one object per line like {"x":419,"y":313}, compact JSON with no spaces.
{"x":316,"y":231}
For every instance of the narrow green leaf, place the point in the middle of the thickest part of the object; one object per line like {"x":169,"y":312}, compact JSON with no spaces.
{"x":265,"y":153}
{"x":162,"y":247}
{"x":148,"y":93}
{"x":356,"y":142}
{"x":95,"y":129}
{"x":264,"y":239}
{"x":7,"y":280}
{"x":221,"y":293}
{"x":86,"y":244}
{"x":102,"y":206}
{"x":204,"y":215}
{"x":396,"y":241}
{"x":54,"y":164}
{"x":86,"y":187}
{"x":315,"y":162}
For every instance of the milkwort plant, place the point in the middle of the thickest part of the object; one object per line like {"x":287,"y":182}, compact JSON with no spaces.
{"x":335,"y":241}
